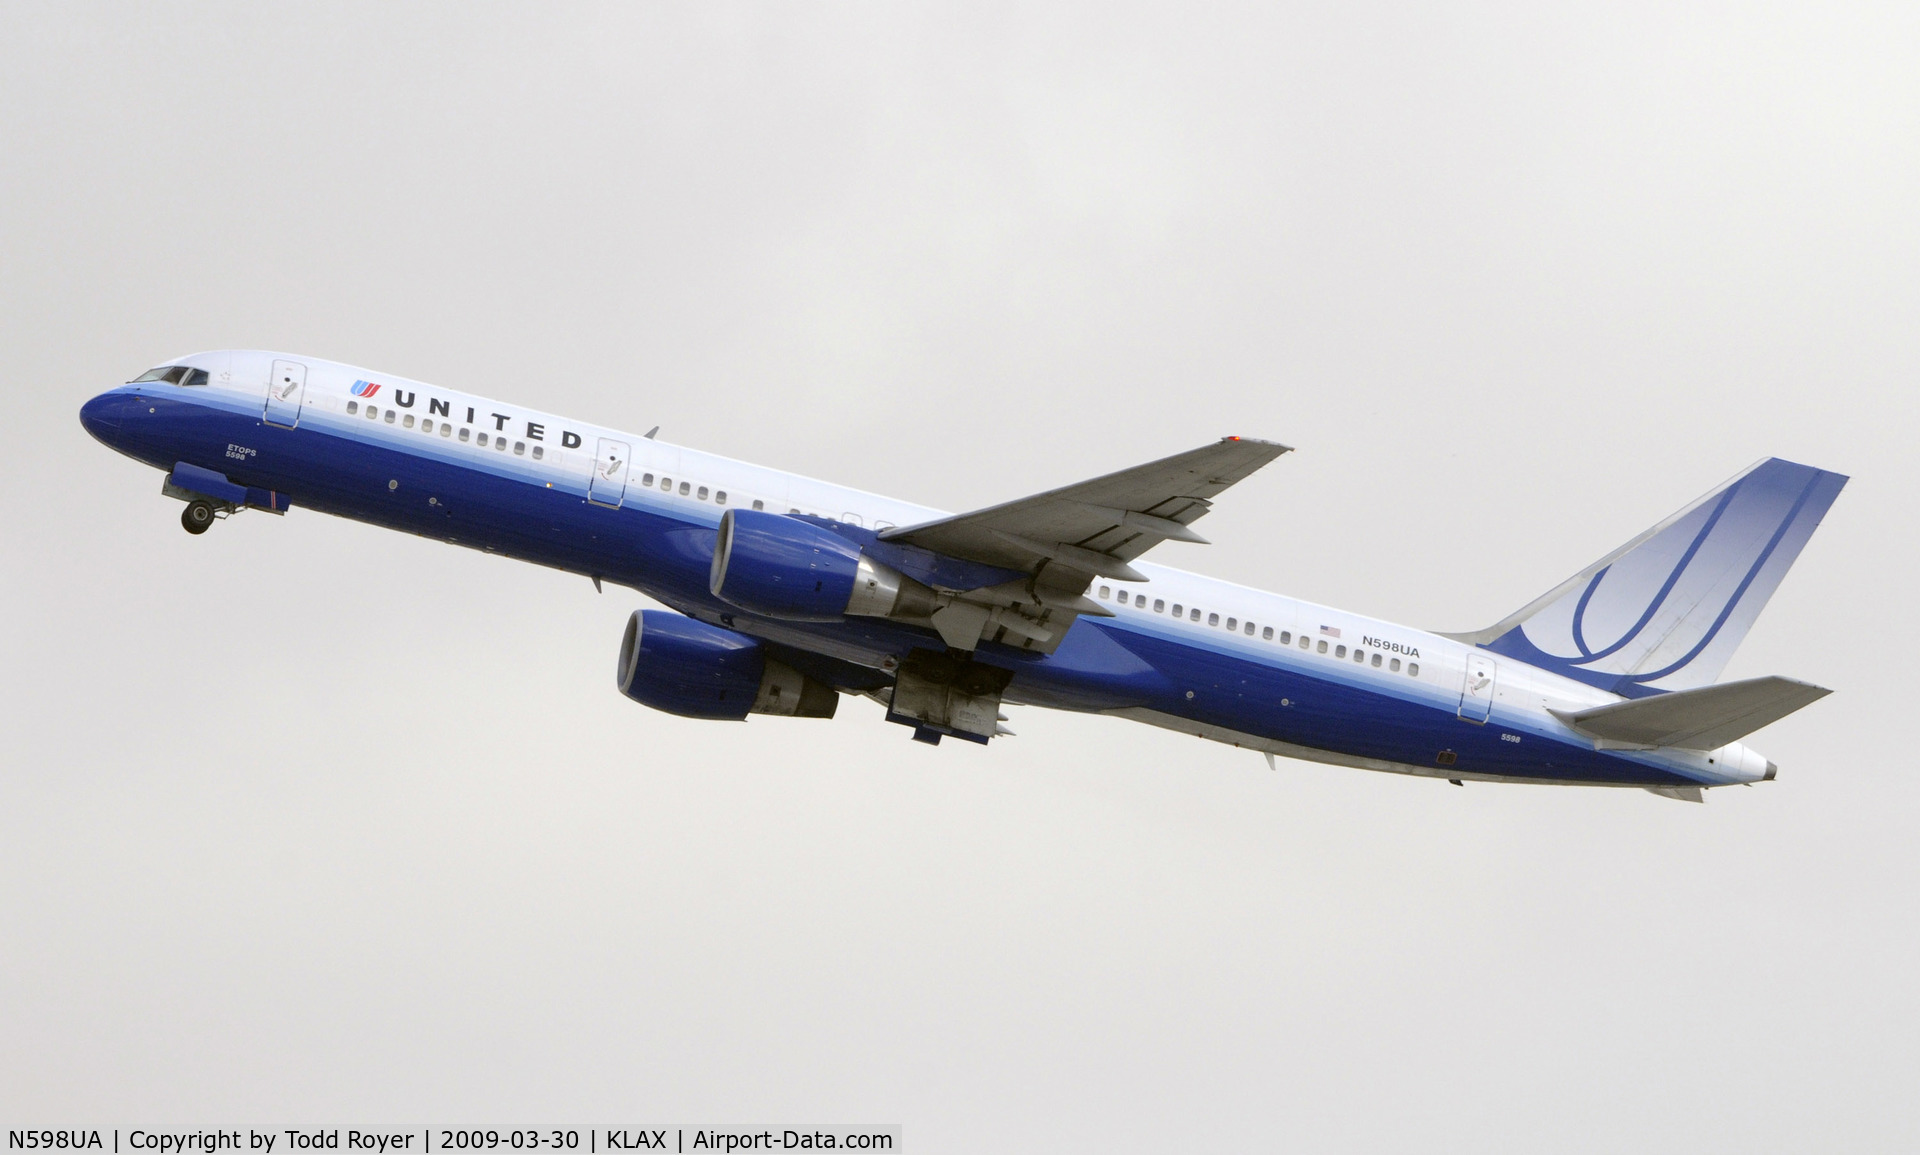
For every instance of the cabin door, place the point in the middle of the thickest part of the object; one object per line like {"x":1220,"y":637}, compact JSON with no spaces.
{"x":286,"y":392}
{"x":608,"y":486}
{"x":1476,"y":696}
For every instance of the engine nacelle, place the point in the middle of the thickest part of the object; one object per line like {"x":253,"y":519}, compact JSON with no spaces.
{"x":782,"y":567}
{"x":674,"y":663}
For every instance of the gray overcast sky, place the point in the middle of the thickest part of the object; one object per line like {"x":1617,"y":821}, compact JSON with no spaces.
{"x":307,"y":821}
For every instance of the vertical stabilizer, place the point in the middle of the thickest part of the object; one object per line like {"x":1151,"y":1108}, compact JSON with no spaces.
{"x":1666,"y":610}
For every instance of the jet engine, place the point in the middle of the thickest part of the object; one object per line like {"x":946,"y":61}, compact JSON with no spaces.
{"x":674,"y":663}
{"x":782,"y":567}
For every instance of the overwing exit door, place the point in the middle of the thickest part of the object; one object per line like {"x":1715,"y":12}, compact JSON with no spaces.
{"x":1476,"y":696}
{"x":608,"y":485}
{"x":286,"y":392}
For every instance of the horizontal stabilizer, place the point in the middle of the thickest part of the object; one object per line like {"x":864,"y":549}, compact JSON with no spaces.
{"x":1703,"y":719}
{"x":1678,"y":793}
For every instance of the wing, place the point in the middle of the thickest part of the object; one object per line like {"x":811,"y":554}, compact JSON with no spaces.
{"x":1098,"y":526}
{"x":1063,"y":537}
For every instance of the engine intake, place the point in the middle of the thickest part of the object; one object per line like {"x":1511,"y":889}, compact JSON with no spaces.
{"x":674,"y":663}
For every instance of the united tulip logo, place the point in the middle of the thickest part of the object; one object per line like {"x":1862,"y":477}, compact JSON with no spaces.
{"x":365,"y":388}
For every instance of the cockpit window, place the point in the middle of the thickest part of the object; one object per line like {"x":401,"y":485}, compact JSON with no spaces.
{"x":174,"y":375}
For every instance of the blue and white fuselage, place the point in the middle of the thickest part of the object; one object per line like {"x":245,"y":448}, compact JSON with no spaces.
{"x":1528,"y":700}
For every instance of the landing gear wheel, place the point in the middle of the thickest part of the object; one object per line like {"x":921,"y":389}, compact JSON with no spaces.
{"x":197,"y":516}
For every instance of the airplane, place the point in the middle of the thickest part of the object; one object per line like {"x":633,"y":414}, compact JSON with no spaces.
{"x":787,"y":593}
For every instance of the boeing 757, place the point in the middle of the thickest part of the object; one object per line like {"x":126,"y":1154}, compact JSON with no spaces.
{"x":787,"y":593}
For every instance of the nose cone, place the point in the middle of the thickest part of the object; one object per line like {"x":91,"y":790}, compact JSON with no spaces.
{"x":101,"y":417}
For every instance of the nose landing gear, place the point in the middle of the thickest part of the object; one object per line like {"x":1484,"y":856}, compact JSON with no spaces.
{"x":197,"y":516}
{"x":210,"y":496}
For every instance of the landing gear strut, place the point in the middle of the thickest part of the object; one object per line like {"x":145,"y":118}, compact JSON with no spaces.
{"x":197,"y":516}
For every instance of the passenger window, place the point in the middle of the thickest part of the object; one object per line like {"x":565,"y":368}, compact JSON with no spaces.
{"x":1195,"y":615}
{"x":1106,"y":592}
{"x":1233,"y":624}
{"x":1121,"y":597}
{"x":1359,"y":655}
{"x":426,"y":426}
{"x":1286,"y":637}
{"x":1266,"y":635}
{"x":446,"y":430}
{"x":1376,"y":661}
{"x":1394,"y":666}
{"x":1413,"y":669}
{"x":719,"y":497}
{"x":1177,"y":611}
{"x":482,"y":442}
{"x":373,"y":413}
{"x":353,"y":407}
{"x":389,"y":417}
{"x":1249,"y":630}
{"x":539,"y":452}
{"x":683,"y":489}
{"x":1213,"y":619}
{"x":1320,"y":649}
{"x":703,"y":493}
{"x":464,"y":431}
{"x":407,"y":421}
{"x":1159,"y":605}
{"x":666,"y":485}
{"x":1340,"y":651}
{"x":519,"y":448}
{"x":500,"y":444}
{"x":646,"y":479}
{"x":758,"y":504}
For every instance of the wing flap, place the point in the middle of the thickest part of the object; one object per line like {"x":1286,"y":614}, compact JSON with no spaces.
{"x":1703,"y":719}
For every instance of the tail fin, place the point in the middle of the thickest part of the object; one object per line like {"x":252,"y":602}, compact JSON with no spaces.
{"x":1666,"y":610}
